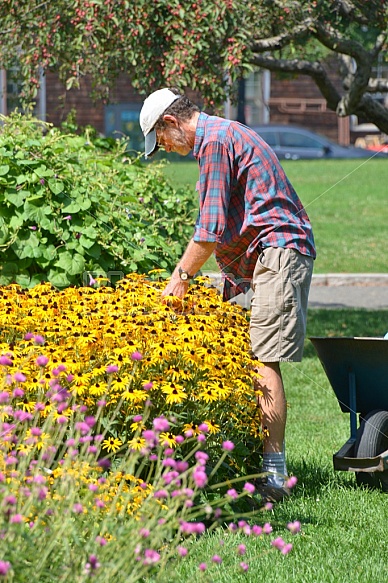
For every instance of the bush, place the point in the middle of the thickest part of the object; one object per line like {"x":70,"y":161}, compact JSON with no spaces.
{"x":70,"y":206}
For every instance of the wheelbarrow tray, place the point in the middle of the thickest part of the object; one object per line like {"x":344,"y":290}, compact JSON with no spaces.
{"x":357,"y":369}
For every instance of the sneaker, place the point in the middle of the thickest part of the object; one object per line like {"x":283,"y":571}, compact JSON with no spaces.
{"x":270,"y":493}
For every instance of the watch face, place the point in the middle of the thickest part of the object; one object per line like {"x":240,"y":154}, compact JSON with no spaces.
{"x":184,"y":276}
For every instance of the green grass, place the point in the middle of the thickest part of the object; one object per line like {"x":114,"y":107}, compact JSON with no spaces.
{"x":347,"y":204}
{"x":344,"y":527}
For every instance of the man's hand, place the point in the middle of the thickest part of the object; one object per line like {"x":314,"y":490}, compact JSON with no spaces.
{"x":176,"y":288}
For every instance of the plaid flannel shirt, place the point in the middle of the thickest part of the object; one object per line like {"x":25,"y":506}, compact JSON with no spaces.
{"x":246,"y":201}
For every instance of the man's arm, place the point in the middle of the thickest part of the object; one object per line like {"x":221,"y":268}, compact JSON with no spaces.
{"x":194,"y":257}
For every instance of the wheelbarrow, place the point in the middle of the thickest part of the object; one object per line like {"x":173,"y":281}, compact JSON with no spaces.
{"x":357,"y":369}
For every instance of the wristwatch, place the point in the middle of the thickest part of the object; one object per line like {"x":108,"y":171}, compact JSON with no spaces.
{"x":184,"y":275}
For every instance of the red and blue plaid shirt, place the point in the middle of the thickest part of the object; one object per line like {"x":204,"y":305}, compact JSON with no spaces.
{"x":246,"y":201}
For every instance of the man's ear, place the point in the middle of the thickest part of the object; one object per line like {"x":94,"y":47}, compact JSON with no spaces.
{"x":170,"y":120}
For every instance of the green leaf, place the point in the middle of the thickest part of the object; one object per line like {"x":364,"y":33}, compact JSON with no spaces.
{"x":72,"y":264}
{"x":28,"y":162}
{"x":4,"y":169}
{"x":23,"y":279}
{"x":36,"y":213}
{"x":3,"y":232}
{"x":56,"y":186}
{"x":8,"y":269}
{"x":43,"y":171}
{"x":95,"y":251}
{"x":16,"y":197}
{"x":58,"y":278}
{"x":86,"y":242}
{"x":71,"y":206}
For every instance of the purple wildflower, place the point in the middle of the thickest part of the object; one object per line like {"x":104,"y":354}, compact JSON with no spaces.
{"x":241,"y":549}
{"x":228,"y":445}
{"x":286,"y":549}
{"x":5,"y":360}
{"x":151,"y":557}
{"x":4,"y":567}
{"x":19,"y":377}
{"x":161,"y":424}
{"x":291,"y":482}
{"x":42,"y":360}
{"x":278,"y":543}
{"x":232,"y":493}
{"x":112,"y":368}
{"x":136,"y":355}
{"x":294,"y":527}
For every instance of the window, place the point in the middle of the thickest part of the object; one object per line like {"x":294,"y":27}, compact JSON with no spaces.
{"x":270,"y":137}
{"x":294,"y":140}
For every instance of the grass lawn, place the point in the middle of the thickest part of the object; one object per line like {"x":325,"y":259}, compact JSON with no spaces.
{"x":344,"y":527}
{"x":348,"y":206}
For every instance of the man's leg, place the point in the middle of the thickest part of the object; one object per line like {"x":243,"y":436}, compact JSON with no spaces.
{"x":273,"y":406}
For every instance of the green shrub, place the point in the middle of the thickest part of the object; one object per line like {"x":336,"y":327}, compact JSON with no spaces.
{"x":70,"y":206}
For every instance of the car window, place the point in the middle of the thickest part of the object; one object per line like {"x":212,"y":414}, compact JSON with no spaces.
{"x":295,"y":140}
{"x":270,"y":137}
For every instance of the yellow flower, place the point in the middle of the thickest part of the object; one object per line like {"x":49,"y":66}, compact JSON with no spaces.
{"x":137,"y":443}
{"x":208,"y":395}
{"x":167,"y":439}
{"x":213,"y":427}
{"x":191,"y":427}
{"x":112,"y":444}
{"x":175,"y":393}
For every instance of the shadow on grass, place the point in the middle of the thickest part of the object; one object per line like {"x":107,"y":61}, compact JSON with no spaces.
{"x":315,"y":481}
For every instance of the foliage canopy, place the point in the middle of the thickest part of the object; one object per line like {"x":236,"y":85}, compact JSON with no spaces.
{"x":203,"y":45}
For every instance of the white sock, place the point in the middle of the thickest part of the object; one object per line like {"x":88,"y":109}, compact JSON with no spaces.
{"x":275,"y":464}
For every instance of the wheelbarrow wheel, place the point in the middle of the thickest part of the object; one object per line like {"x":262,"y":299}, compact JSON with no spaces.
{"x":372,"y":439}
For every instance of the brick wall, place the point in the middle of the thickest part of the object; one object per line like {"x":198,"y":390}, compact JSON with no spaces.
{"x":60,"y":102}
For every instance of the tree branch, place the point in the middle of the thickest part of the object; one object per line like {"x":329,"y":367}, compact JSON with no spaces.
{"x":348,"y":10}
{"x":377,"y":85}
{"x":281,"y":40}
{"x":334,"y":41}
{"x":314,"y":70}
{"x":373,"y":111}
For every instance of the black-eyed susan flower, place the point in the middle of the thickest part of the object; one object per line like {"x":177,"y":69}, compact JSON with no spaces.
{"x":175,"y":393}
{"x":167,"y":438}
{"x":137,"y":443}
{"x":112,"y":444}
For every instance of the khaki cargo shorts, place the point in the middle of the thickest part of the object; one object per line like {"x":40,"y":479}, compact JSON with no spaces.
{"x":280,"y":284}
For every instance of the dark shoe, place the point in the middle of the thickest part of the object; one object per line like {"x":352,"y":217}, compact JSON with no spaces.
{"x":270,"y":493}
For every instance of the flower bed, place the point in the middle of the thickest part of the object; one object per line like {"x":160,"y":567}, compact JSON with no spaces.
{"x":194,"y":366}
{"x":118,"y":415}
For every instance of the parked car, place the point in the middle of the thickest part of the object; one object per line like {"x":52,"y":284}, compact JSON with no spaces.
{"x":296,"y":143}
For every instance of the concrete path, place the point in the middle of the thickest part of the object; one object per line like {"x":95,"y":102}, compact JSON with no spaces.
{"x":361,"y":290}
{"x":338,"y":290}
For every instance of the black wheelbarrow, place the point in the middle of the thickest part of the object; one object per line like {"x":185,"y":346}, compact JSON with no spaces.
{"x":357,"y":369}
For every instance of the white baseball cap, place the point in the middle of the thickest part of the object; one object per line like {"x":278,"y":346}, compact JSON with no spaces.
{"x":153,"y":108}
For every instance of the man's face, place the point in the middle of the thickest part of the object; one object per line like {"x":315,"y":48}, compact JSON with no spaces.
{"x":173,"y":139}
